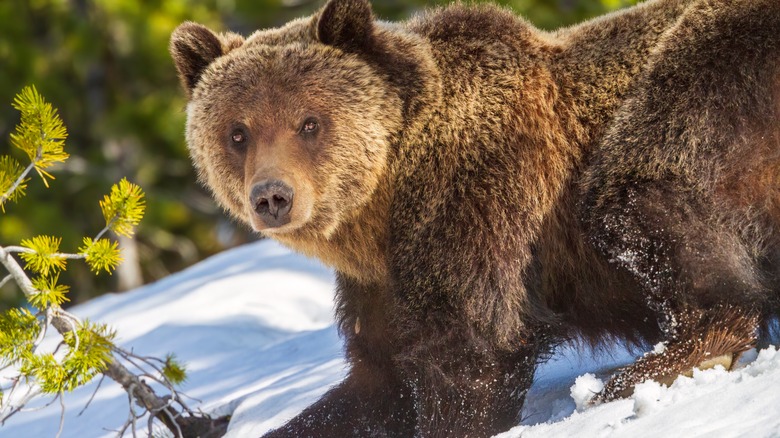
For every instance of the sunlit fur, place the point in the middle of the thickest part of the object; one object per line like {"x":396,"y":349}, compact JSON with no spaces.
{"x":486,"y":190}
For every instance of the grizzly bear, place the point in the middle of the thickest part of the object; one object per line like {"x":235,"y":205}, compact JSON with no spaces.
{"x":486,"y":190}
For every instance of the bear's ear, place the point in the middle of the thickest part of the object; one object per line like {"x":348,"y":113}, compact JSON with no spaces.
{"x":193,"y":47}
{"x":346,"y":24}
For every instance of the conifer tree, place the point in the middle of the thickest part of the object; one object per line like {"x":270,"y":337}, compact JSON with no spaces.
{"x":85,"y":349}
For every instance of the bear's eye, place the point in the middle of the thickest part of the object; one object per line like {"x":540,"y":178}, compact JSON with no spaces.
{"x":238,"y":137}
{"x":310,"y":126}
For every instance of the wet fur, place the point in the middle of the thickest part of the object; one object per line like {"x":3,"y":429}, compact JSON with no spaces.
{"x":613,"y":180}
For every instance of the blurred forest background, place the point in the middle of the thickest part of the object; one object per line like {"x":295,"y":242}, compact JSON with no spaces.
{"x":105,"y":65}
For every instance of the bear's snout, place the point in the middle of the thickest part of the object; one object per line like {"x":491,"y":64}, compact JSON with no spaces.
{"x":272,"y":201}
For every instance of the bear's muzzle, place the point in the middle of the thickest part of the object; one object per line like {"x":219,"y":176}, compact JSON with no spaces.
{"x":272,"y":201}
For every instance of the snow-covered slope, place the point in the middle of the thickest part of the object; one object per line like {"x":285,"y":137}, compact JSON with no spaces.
{"x":255,"y":327}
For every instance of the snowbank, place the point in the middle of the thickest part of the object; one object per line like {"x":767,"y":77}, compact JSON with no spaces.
{"x":255,"y":327}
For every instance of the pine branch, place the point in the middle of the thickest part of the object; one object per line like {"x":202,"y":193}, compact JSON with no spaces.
{"x":142,"y":393}
{"x":92,"y":397}
{"x":62,"y":255}
{"x":62,"y":414}
{"x":41,"y":135}
{"x":17,"y":272}
{"x":25,"y":399}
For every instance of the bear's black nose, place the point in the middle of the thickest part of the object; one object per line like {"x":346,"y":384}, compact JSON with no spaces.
{"x":272,"y":201}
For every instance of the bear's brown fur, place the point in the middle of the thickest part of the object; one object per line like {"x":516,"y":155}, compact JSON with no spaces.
{"x":486,"y":190}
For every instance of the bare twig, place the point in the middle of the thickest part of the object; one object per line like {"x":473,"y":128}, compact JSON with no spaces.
{"x":173,"y":419}
{"x":103,"y":231}
{"x":100,"y":382}
{"x":185,"y":395}
{"x":129,"y":356}
{"x":51,"y":402}
{"x":6,"y":280}
{"x":69,"y":317}
{"x":44,"y":328}
{"x":150,"y":425}
{"x":59,"y":255}
{"x":59,"y":345}
{"x":133,"y":415}
{"x":29,"y":395}
{"x":17,"y":249}
{"x":18,"y":181}
{"x":62,"y":414}
{"x":8,"y":399}
{"x":67,"y":255}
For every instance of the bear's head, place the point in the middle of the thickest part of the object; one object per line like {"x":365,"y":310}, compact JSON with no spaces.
{"x":291,"y":128}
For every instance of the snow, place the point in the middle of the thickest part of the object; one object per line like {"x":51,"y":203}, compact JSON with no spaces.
{"x":255,"y":327}
{"x":715,"y":402}
{"x":585,"y":387}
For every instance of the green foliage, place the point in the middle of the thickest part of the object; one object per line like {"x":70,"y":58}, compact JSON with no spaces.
{"x":54,"y":375}
{"x":89,"y":347}
{"x":49,"y":293}
{"x":101,"y":254}
{"x":10,"y":171}
{"x":41,"y":133}
{"x":44,"y":256}
{"x":89,"y":356}
{"x":18,"y":330}
{"x":45,"y":369}
{"x":173,"y":370}
{"x":123,"y":208}
{"x":117,"y":92}
{"x":90,"y":353}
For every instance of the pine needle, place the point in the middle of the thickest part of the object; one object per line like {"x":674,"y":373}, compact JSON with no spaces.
{"x":101,"y":254}
{"x":45,"y":255}
{"x":41,"y":133}
{"x":123,"y":208}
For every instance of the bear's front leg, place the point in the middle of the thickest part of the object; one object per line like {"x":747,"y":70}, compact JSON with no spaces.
{"x":366,"y":404}
{"x":463,"y":386}
{"x":374,"y":400}
{"x":465,"y":283}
